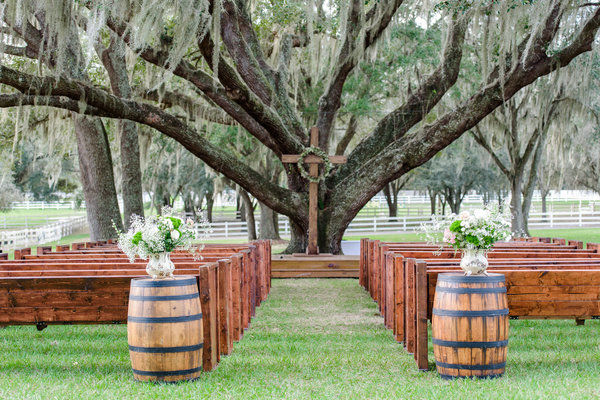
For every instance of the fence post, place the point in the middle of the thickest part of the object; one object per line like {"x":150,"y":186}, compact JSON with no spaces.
{"x":580,"y":220}
{"x":226,"y":229}
{"x":404,"y":223}
{"x":551,"y":220}
{"x":375,"y":224}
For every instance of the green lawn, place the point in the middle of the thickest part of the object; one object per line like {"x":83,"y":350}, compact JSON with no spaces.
{"x":313,"y":338}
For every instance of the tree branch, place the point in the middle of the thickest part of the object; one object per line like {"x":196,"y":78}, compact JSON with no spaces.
{"x":347,"y":58}
{"x":170,"y":99}
{"x":241,"y":42}
{"x":480,"y":139}
{"x":418,"y":104}
{"x":228,"y":100}
{"x":377,"y":19}
{"x":348,"y":135}
{"x":280,"y":199}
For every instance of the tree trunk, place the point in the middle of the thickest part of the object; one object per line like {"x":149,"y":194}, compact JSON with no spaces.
{"x":518,"y":227}
{"x":113,"y":59}
{"x":131,"y":175}
{"x":210,"y":201}
{"x":269,"y":228}
{"x":544,"y":205}
{"x":432,"y":201}
{"x":392,"y":200}
{"x":189,"y":206}
{"x":97,"y":179}
{"x":239,"y":206}
{"x":249,"y":214}
{"x":298,"y":238}
{"x":454,"y":201}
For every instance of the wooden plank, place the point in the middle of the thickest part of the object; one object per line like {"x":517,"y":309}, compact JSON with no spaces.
{"x":421,"y":346}
{"x":223,"y":303}
{"x":312,"y":159}
{"x":334,"y":262}
{"x":236,"y":287}
{"x":554,"y":308}
{"x":252,"y":283}
{"x":63,"y":315}
{"x":389,"y":291}
{"x":399,"y":286}
{"x":208,"y":301}
{"x":246,"y":294}
{"x":376,"y":271}
{"x":383,"y":248}
{"x":409,"y":265}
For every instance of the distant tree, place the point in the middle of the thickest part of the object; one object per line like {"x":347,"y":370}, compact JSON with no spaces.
{"x":454,"y":172}
{"x":391,"y":191}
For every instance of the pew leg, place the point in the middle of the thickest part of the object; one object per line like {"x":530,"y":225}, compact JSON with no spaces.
{"x":41,"y":326}
{"x":579,"y":321}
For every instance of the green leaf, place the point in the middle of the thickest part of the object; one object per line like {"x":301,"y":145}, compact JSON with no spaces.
{"x":176,"y":222}
{"x":455,"y":226}
{"x":137,"y":238}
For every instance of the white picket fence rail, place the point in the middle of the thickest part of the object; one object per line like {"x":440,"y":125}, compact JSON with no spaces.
{"x":43,"y":234}
{"x":406,"y":224}
{"x":43,"y":205}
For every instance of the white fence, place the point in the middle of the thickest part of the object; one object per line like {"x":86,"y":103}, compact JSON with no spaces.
{"x":43,"y":205}
{"x":406,"y":224}
{"x":43,"y":234}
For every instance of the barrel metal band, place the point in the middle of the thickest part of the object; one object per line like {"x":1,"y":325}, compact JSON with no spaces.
{"x":461,"y":290}
{"x":166,"y":298}
{"x":178,"y":349}
{"x":450,"y":377}
{"x":482,"y":345}
{"x":471,"y":367}
{"x":463,"y":313}
{"x":492,"y":278}
{"x":162,"y":320}
{"x":163,"y":283}
{"x":167,"y":373}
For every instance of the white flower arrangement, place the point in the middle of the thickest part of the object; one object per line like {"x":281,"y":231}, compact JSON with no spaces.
{"x":158,"y":234}
{"x":475,"y":230}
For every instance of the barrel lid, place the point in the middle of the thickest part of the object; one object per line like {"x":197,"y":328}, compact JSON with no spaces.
{"x":462,"y":278}
{"x":179,"y":280}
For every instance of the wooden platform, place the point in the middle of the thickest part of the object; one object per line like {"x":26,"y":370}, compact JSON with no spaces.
{"x":289,"y":266}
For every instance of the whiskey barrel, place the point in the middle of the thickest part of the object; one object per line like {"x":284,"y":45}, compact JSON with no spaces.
{"x":470,"y":325}
{"x":164,"y":329}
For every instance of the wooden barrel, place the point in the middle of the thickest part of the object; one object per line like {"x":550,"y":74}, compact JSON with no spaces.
{"x":164,"y":329}
{"x":470,"y":325}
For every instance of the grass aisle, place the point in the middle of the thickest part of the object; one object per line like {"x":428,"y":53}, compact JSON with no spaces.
{"x":312,"y":338}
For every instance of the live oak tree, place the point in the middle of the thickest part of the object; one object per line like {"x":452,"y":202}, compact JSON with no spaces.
{"x":516,"y":134}
{"x":263,"y":66}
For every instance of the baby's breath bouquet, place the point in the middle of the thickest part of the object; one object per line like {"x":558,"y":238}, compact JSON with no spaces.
{"x":477,"y":230}
{"x":473,"y":233}
{"x":154,"y":238}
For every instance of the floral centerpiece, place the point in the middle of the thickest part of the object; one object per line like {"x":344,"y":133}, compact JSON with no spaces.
{"x":154,"y":238}
{"x":473,"y":233}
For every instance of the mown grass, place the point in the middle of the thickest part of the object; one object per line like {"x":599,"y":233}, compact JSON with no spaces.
{"x":311,"y":339}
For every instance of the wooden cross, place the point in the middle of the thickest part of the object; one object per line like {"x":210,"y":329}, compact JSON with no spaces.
{"x":313,"y":189}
